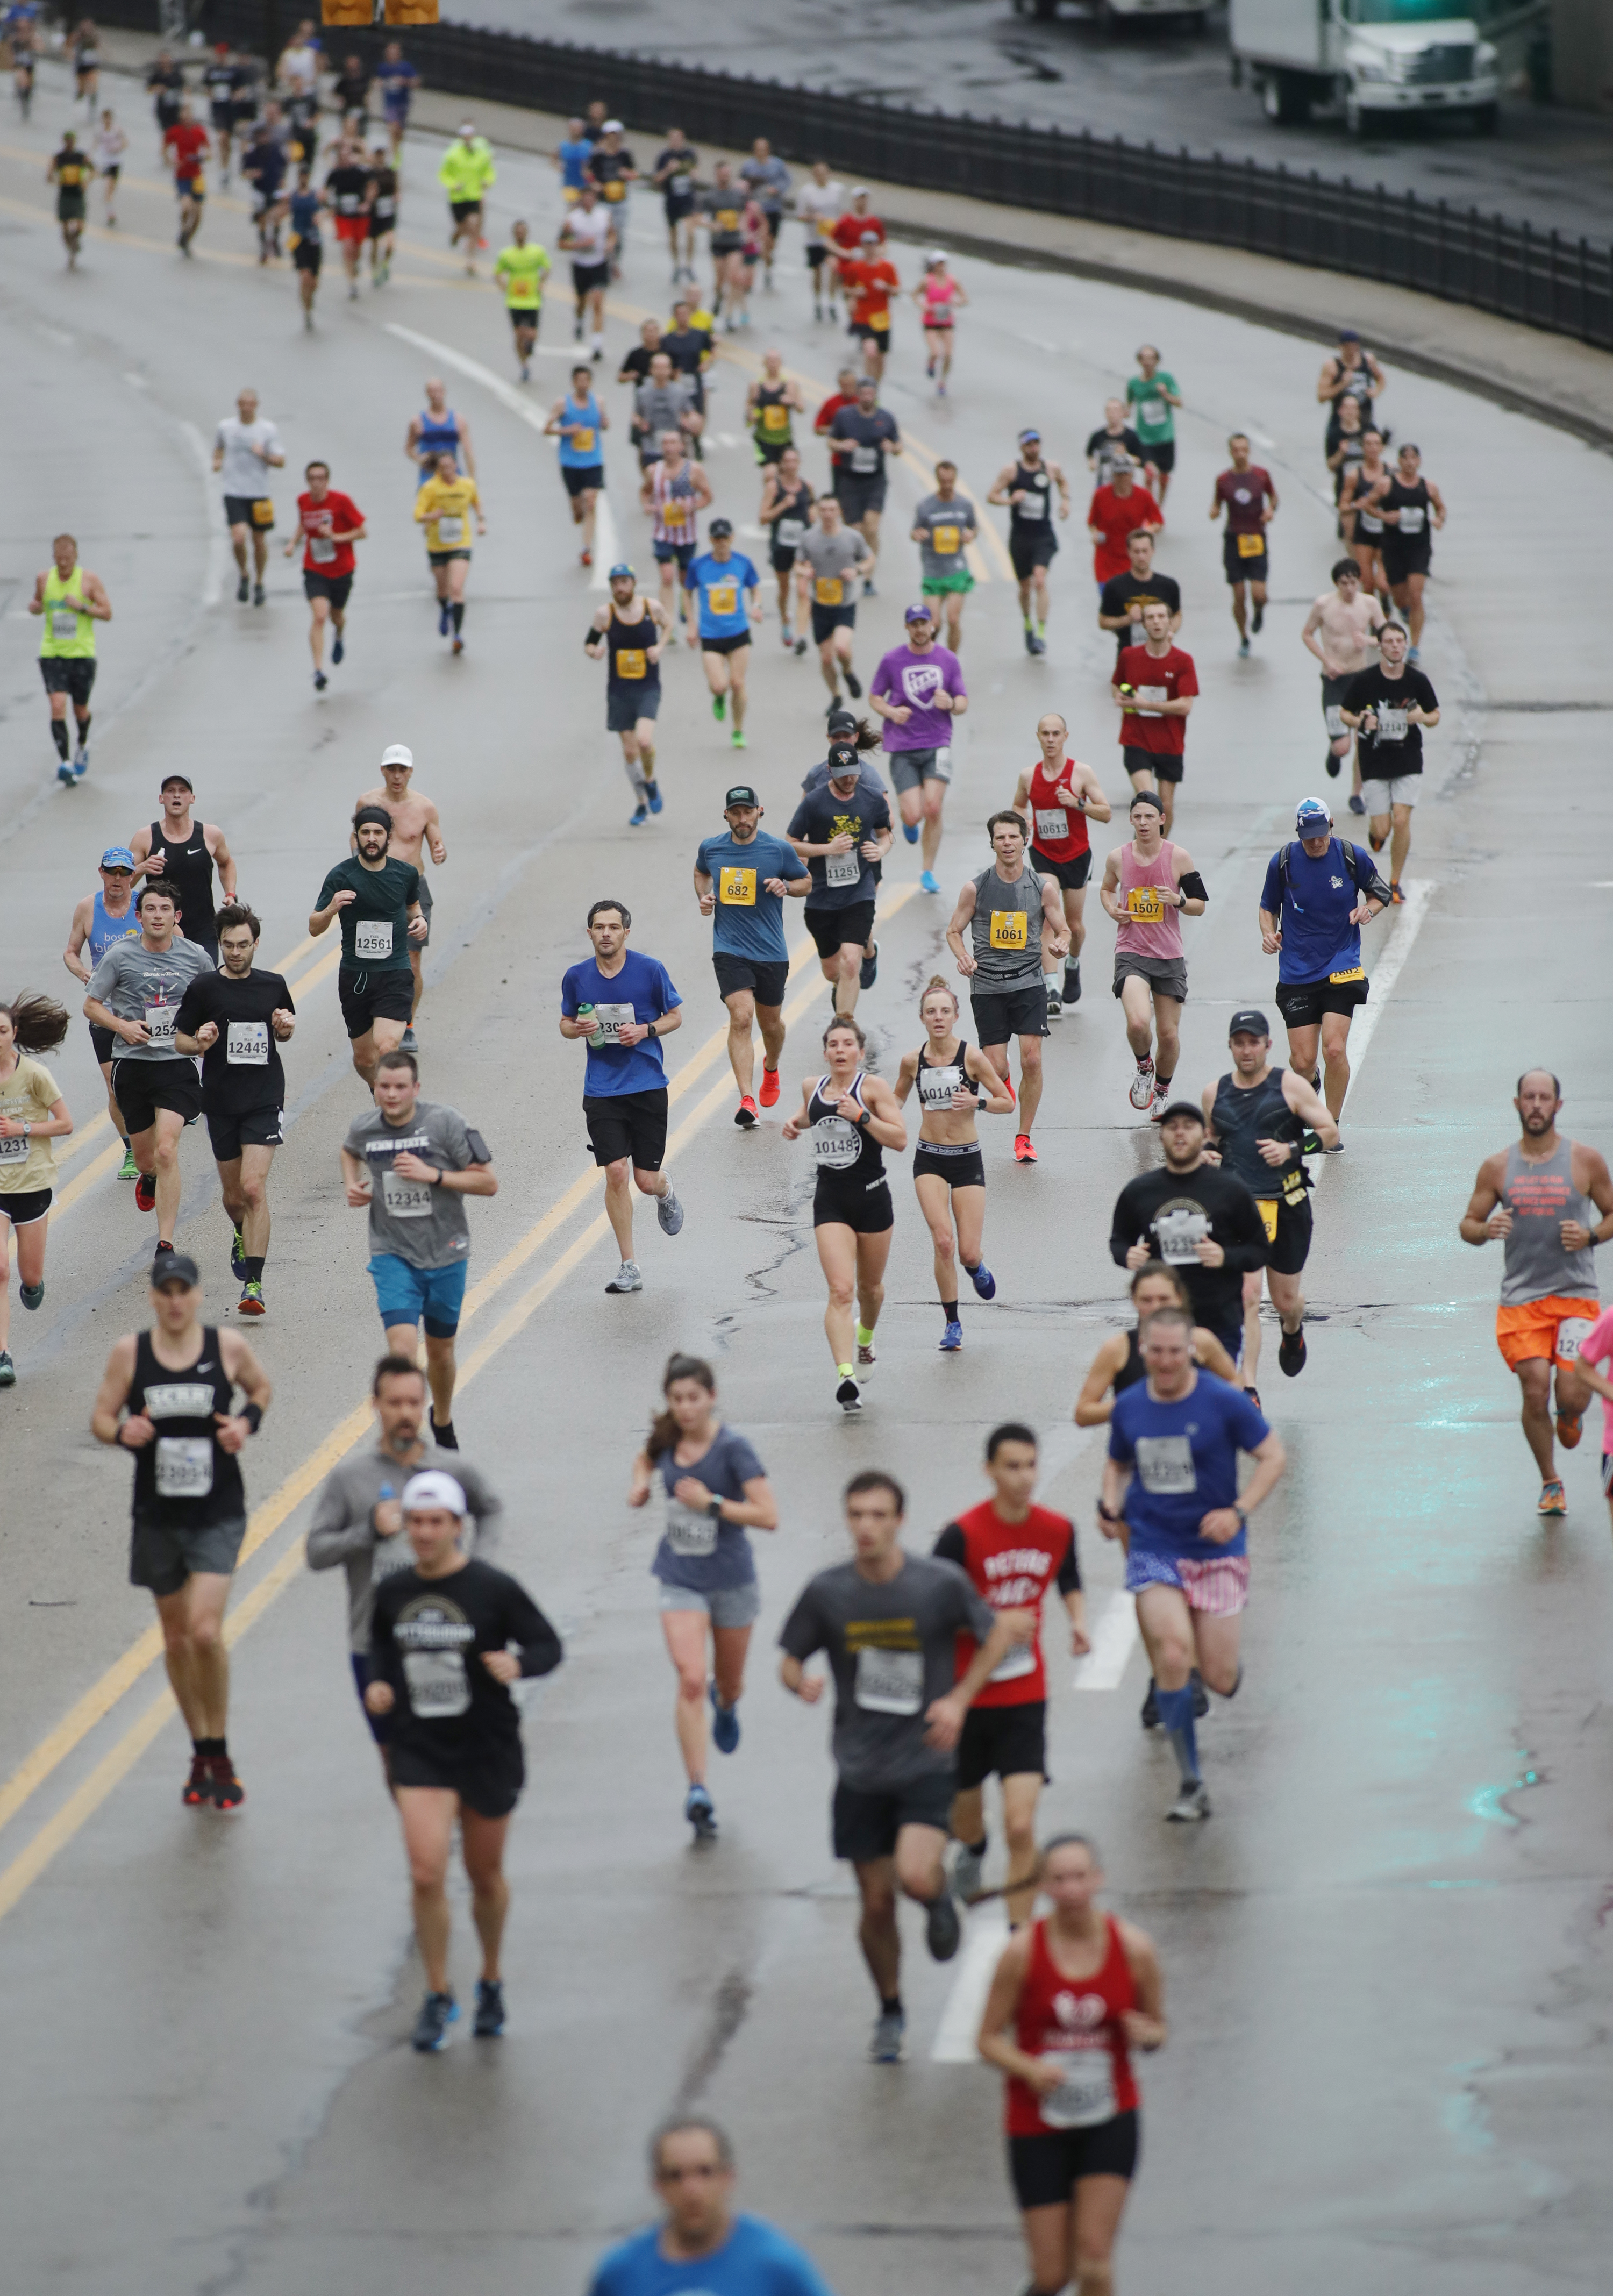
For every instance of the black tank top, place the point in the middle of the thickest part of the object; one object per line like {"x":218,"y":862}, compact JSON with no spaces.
{"x":937,"y":1080}
{"x":1037,"y":483}
{"x":847,"y":1154}
{"x":793,"y":507}
{"x":1130,"y":1370}
{"x":1358,"y":385}
{"x":183,"y":1479}
{"x":632,"y":639}
{"x":188,"y":869}
{"x":1242,"y":1117}
{"x":1412,"y":504}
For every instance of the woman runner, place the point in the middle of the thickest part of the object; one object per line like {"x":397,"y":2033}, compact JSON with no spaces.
{"x":955,"y":1079}
{"x":443,"y":507}
{"x":1118,"y":1362}
{"x":852,"y":1119}
{"x":937,"y":296}
{"x":715,"y":1490}
{"x":786,"y":509}
{"x":33,"y":1117}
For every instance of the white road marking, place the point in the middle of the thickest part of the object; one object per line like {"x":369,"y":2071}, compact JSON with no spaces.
{"x":218,"y":540}
{"x":985,"y":1935}
{"x":1419,"y":892}
{"x":606,"y":550}
{"x":1114,"y":1638}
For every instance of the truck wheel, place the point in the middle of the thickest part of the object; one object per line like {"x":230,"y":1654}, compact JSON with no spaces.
{"x":1486,"y":119}
{"x":1044,"y":11}
{"x":1285,"y":98}
{"x":1352,"y":115}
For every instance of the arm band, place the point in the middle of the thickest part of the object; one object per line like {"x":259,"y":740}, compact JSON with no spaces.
{"x":1194,"y":886}
{"x":1375,"y":890}
{"x":253,"y":1415}
{"x":592,"y":634}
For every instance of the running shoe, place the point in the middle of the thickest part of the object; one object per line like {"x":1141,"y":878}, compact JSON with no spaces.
{"x":929,"y":882}
{"x":250,"y":1302}
{"x":586,"y":557}
{"x":226,"y":1788}
{"x":1201,"y":1697}
{"x":338,"y":653}
{"x":854,"y":683}
{"x":1375,"y":842}
{"x":910,"y":831}
{"x":1030,"y":639}
{"x":442,"y":1433}
{"x":129,"y":1169}
{"x":1413,"y":653}
{"x":889,"y":2045}
{"x":653,"y":796}
{"x":1397,"y":895}
{"x":738,"y":741}
{"x":1035,"y":644}
{"x":64,"y":775}
{"x":1191,"y":1805}
{"x":1253,"y":1394}
{"x":968,"y":1872}
{"x":243,"y":591}
{"x":628,"y":1277}
{"x":1243,"y":649}
{"x":725,"y":1724}
{"x":1570,"y":1424}
{"x":1335,"y":1150}
{"x":984,"y":1280}
{"x":81,"y":761}
{"x":669,"y":1212}
{"x":1290,"y":1356}
{"x":408,"y":1042}
{"x":1357,"y":802}
{"x":868,"y":973}
{"x":1142,"y":1085}
{"x":489,"y":2009}
{"x":238,"y":1255}
{"x":868,"y":589}
{"x":33,"y":1296}
{"x":1158,"y":1104}
{"x":1024,"y":1149}
{"x":1150,"y":1716}
{"x":702,"y":1815}
{"x":1332,"y":766}
{"x":145,"y":1193}
{"x":1072,"y":984}
{"x":445,"y":620}
{"x":867,"y":1360}
{"x":636,"y":819}
{"x":744,"y":1115}
{"x":1257,"y":619}
{"x":1055,"y":1005}
{"x":458,"y":646}
{"x":197,"y":1789}
{"x":943,"y":1930}
{"x":437,"y":2011}
{"x":848,"y":1395}
{"x":1553,"y":1498}
{"x":320,"y":681}
{"x":719,"y":707}
{"x":951,"y":1338}
{"x":769,"y":1093}
{"x":257,"y":594}
{"x":800,"y":647}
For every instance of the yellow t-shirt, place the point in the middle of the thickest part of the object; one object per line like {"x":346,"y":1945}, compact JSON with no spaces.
{"x":27,"y":1096}
{"x":444,"y":508}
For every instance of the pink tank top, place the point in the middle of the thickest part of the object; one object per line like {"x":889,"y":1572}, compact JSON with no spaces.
{"x":1153,"y":922}
{"x":938,"y":293}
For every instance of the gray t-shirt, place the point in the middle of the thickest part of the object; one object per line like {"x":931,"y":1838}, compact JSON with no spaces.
{"x":241,"y":473}
{"x":768,"y":179}
{"x":343,"y":1529}
{"x":143,"y":984}
{"x":893,"y":1652}
{"x":658,"y":406}
{"x":415,"y":1219}
{"x":948,"y":529}
{"x":1007,"y":933}
{"x":830,"y":558}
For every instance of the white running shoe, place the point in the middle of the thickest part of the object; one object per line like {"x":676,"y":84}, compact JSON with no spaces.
{"x":1142,"y":1085}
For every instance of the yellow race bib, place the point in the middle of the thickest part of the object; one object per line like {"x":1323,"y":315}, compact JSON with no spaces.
{"x":1145,"y":905}
{"x":829,"y":590}
{"x":673,"y":513}
{"x":727,"y":218}
{"x":1250,"y":545}
{"x":736,"y":889}
{"x":1009,"y":927}
{"x":1268,"y":1218}
{"x":615,"y":189}
{"x":632,"y":662}
{"x":1356,"y":972}
{"x":775,"y":419}
{"x":582,"y":442}
{"x":944,"y":539}
{"x":263,"y":513}
{"x":722,"y":597}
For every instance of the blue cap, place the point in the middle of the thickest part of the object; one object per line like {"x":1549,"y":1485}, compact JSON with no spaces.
{"x":116,"y":857}
{"x":1312,"y":817}
{"x":622,"y":573}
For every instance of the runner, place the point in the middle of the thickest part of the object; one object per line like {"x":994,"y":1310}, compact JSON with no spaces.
{"x":611,"y":167}
{"x":769,"y":403}
{"x":629,"y":632}
{"x":767,"y":180}
{"x":350,"y":97}
{"x":100,"y":919}
{"x":349,"y":189}
{"x":675,"y":491}
{"x":623,"y":1005}
{"x":1312,"y":905}
{"x":439,"y":429}
{"x":70,"y":171}
{"x":939,"y":296}
{"x":844,"y":394}
{"x":572,"y":154}
{"x":919,"y":691}
{"x":728,"y":589}
{"x":303,"y":211}
{"x":1250,"y":499}
{"x":375,"y":899}
{"x":588,"y":236}
{"x":415,"y":822}
{"x":1387,"y":707}
{"x":673,"y":176}
{"x":820,"y":203}
{"x":1596,"y":1349}
{"x":23,"y":40}
{"x":1116,"y":512}
{"x":86,"y":64}
{"x":1537,"y":1198}
{"x":109,"y":146}
{"x":70,"y":600}
{"x":691,"y":2170}
{"x":1352,"y":371}
{"x":843,"y":837}
{"x":579,"y":423}
{"x":713,"y":1489}
{"x":245,"y":449}
{"x":1010,"y":913}
{"x":464,"y":171}
{"x":662,"y":402}
{"x":830,"y":557}
{"x":862,"y":438}
{"x":1026,"y":489}
{"x":410,"y":1163}
{"x":167,"y":1395}
{"x":1346,"y":441}
{"x":235,"y":1019}
{"x":1154,"y":687}
{"x":847,"y":234}
{"x":1170,"y":1489}
{"x":1122,"y":598}
{"x":1363,"y":483}
{"x":134,"y":992}
{"x":184,"y":852}
{"x":264,"y":166}
{"x":1196,"y":1219}
{"x":1148,"y":886}
{"x":955,"y":1079}
{"x":443,"y":506}
{"x":397,"y":80}
{"x":186,"y":145}
{"x":521,"y":271}
{"x":1341,"y":630}
{"x":1114,"y":437}
{"x":1409,"y":506}
{"x":1150,"y":396}
{"x":868,"y":280}
{"x":720,"y":210}
{"x":329,"y":524}
{"x":33,"y":1117}
{"x":742,"y":881}
{"x":786,"y":512}
{"x":383,"y":212}
{"x":888,"y":1623}
{"x":1259,"y":1120}
{"x":449,"y":1634}
{"x":1118,"y":1362}
{"x":1055,"y":798}
{"x":1080,"y":1990}
{"x":945,"y":526}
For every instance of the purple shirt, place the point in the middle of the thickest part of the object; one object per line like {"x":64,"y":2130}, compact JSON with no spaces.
{"x":912,"y":678}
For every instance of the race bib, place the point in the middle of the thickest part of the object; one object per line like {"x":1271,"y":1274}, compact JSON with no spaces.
{"x":836,"y":1142}
{"x":1412,"y":518}
{"x":727,"y":218}
{"x":1571,"y":1337}
{"x":1177,"y":1234}
{"x":1085,"y":2096}
{"x":1371,"y":525}
{"x":890,"y":1682}
{"x":615,"y":189}
{"x":673,"y":513}
{"x":15,"y":1147}
{"x":1053,"y":822}
{"x":1251,"y":545}
{"x":160,"y":1021}
{"x":609,"y":1021}
{"x":775,"y":419}
{"x":437,"y":1685}
{"x":1153,"y":695}
{"x":722,"y":597}
{"x":1356,"y":972}
{"x":372,"y":937}
{"x":1268,"y":1216}
{"x":1165,"y":1462}
{"x":1031,"y":505}
{"x":1391,"y":724}
{"x":321,"y":550}
{"x":405,"y":1199}
{"x":1151,"y":413}
{"x":938,"y":1085}
{"x":1009,"y":929}
{"x":1336,"y":727}
{"x":64,"y":622}
{"x":690,"y":1530}
{"x":1145,"y":905}
{"x":582,"y":440}
{"x":246,"y":1044}
{"x":736,"y":889}
{"x":787,"y":533}
{"x":632,"y":662}
{"x":263,"y":513}
{"x":184,"y":1465}
{"x":865,"y":460}
{"x":829,"y":590}
{"x":945,"y":540}
{"x":1019,"y":1662}
{"x":449,"y":530}
{"x":843,"y":868}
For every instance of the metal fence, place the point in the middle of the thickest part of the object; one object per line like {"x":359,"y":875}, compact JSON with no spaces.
{"x":1562,"y":285}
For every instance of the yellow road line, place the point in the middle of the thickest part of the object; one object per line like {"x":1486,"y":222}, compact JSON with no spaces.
{"x":108,"y":1159}
{"x":65,"y":1150}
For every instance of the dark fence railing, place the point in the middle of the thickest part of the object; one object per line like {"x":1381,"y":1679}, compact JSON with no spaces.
{"x":1543,"y":279}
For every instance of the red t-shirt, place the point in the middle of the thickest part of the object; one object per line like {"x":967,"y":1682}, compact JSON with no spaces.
{"x":870,"y":285}
{"x":1114,"y":517}
{"x":847,"y":232}
{"x":1162,"y":677}
{"x":829,"y":408}
{"x":1047,"y":839}
{"x":184,"y":144}
{"x":1012,"y":1564}
{"x":321,"y":555}
{"x":1244,"y":492}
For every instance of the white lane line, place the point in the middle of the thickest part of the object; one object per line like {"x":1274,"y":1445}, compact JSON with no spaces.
{"x":1419,"y":892}
{"x":1114,"y":1638}
{"x":984,"y":1938}
{"x":219,"y":546}
{"x":606,"y":550}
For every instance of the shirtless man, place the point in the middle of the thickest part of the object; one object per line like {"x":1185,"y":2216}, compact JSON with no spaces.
{"x":414,"y":820}
{"x":1341,"y":630}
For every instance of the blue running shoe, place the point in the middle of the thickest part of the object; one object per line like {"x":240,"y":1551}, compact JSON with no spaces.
{"x":638,"y":817}
{"x":951,"y":1338}
{"x":725,"y":1724}
{"x":984,"y":1280}
{"x":910,"y":831}
{"x":437,"y":2011}
{"x":338,"y":653}
{"x":653,"y":793}
{"x":445,"y":620}
{"x":930,"y":883}
{"x":702,"y":1815}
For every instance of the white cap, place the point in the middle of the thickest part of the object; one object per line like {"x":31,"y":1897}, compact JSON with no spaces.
{"x":613,"y":128}
{"x":397,"y":755}
{"x":467,"y":128}
{"x":434,"y":1489}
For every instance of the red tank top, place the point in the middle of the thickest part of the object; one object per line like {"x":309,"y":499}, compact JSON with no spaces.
{"x":1055,"y":843}
{"x":1077,"y":2020}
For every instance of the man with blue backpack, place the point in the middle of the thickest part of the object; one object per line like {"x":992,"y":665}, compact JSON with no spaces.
{"x":1319,"y":891}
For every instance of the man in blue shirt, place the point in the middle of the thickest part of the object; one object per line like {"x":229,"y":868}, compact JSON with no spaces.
{"x":397,"y":80}
{"x":729,"y":590}
{"x":1170,"y":1486}
{"x":701,"y":2247}
{"x":1318,"y":893}
{"x":743,"y":880}
{"x":572,"y":158}
{"x":624,"y":1004}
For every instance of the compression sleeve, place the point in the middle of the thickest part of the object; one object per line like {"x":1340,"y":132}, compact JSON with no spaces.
{"x":950,"y":1546}
{"x":1070,"y":1570}
{"x":1193,"y":886}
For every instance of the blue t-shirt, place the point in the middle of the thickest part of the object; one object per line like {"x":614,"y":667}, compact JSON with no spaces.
{"x":748,"y":921}
{"x":574,"y":159}
{"x":1313,"y":909}
{"x":397,"y":83}
{"x":722,"y":584}
{"x":1184,"y":1462}
{"x":754,"y":2260}
{"x":694,"y":1551}
{"x":304,"y":209}
{"x":648,"y":988}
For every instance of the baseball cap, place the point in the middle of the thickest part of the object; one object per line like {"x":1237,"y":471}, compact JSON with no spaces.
{"x":621,"y":573}
{"x":741,"y":794}
{"x":1184,"y":1108}
{"x":1312,"y":811}
{"x":843,"y":760}
{"x":1026,"y":437}
{"x":1348,"y":335}
{"x":859,"y":191}
{"x":919,"y":614}
{"x":184,"y":780}
{"x":719,"y":526}
{"x":869,"y":239}
{"x":398,"y":754}
{"x":116,"y":857}
{"x":613,"y":128}
{"x":842,"y":721}
{"x":434,"y":1489}
{"x":467,"y":128}
{"x":1121,"y":462}
{"x":174,"y":1267}
{"x":1248,"y":1024}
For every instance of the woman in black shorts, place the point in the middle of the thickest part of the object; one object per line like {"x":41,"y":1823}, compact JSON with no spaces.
{"x":786,"y":509}
{"x":33,"y":1117}
{"x":955,"y":1079}
{"x":851,"y":1117}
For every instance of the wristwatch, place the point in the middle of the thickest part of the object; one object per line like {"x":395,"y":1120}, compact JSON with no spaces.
{"x":1241,"y":1512}
{"x":715,"y":1510}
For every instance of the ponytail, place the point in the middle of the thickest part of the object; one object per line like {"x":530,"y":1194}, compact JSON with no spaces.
{"x":37,"y":1023}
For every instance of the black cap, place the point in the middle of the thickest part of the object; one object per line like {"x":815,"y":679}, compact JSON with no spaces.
{"x":173,"y":1267}
{"x":718,"y":527}
{"x":843,"y":759}
{"x":1184,"y":1108}
{"x":742,"y":795}
{"x":1248,"y":1024}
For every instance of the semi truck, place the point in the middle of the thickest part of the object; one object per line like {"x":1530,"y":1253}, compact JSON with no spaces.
{"x":1381,"y":60}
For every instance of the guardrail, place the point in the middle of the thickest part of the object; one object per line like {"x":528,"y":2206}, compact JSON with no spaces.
{"x":1544,"y":279}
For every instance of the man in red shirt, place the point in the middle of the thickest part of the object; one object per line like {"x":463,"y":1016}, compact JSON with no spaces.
{"x":848,"y":229}
{"x":844,"y":394}
{"x":1013,"y":1551}
{"x":1154,"y":686}
{"x":330,"y":524}
{"x":1118,"y":509}
{"x":187,"y":144}
{"x":868,"y":282}
{"x":1249,"y":498}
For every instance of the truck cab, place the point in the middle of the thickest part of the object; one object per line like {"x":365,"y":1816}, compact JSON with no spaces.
{"x":1375,"y":59}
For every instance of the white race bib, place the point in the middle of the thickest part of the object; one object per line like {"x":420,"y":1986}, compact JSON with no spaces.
{"x":843,"y":868}
{"x":14,"y":1148}
{"x":437,"y":1682}
{"x":372,"y":937}
{"x":1412,"y":518}
{"x":184,"y":1465}
{"x":1336,"y":727}
{"x":1152,"y":411}
{"x":890,"y":1682}
{"x":1391,"y":724}
{"x":449,"y":531}
{"x":609,"y":1021}
{"x":246,"y":1044}
{"x":1032,"y":504}
{"x":1570,"y":1337}
{"x":1165,"y":1465}
{"x":835,"y":1143}
{"x":787,"y":533}
{"x":160,"y":1021}
{"x":1053,"y":822}
{"x":690,"y":1530}
{"x":405,"y":1199}
{"x":938,"y":1085}
{"x":1176,"y":1234}
{"x":64,"y":622}
{"x":321,"y":550}
{"x":865,"y":459}
{"x":1085,"y":2096}
{"x":1153,"y":695}
{"x":1019,"y":1662}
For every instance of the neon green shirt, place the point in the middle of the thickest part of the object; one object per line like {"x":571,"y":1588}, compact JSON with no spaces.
{"x":521,"y":272}
{"x":466,"y":169}
{"x":69,"y":633}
